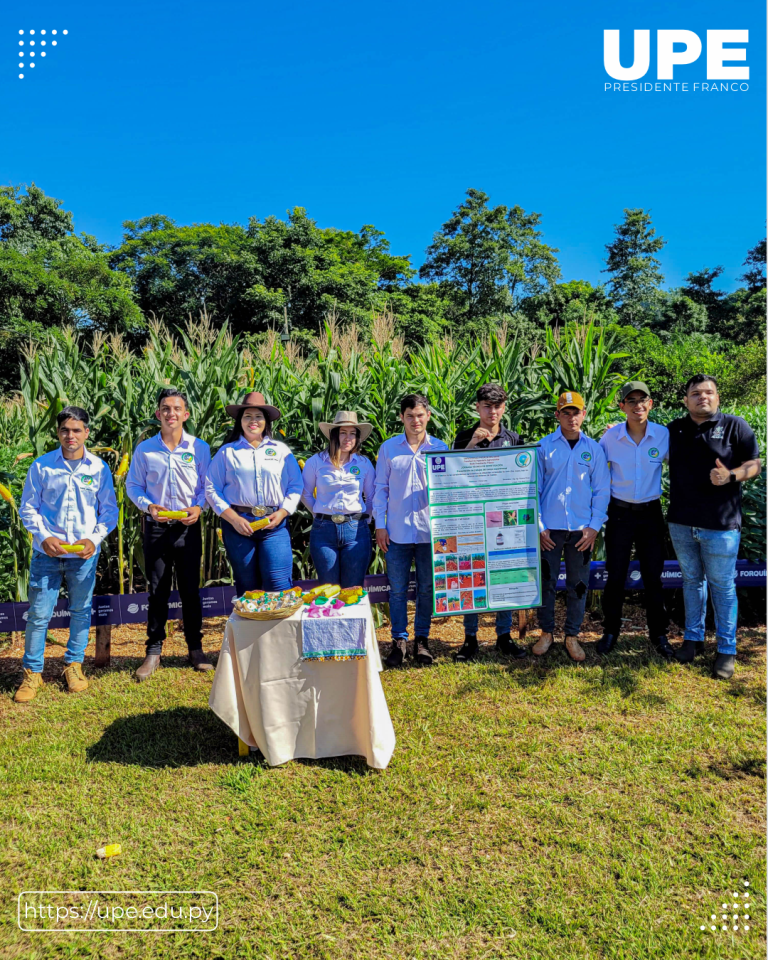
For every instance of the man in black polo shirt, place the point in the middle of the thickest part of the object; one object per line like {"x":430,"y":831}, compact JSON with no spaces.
{"x":710,"y":455}
{"x":489,"y":431}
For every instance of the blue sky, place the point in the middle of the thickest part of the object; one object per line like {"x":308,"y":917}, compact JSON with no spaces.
{"x":386,"y":114}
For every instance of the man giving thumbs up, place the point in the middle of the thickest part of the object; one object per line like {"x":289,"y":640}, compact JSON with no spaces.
{"x":710,"y":454}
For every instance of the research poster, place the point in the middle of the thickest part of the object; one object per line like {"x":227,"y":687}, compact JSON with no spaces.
{"x":483,"y":514}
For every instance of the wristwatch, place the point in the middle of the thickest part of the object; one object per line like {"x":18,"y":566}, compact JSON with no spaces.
{"x":732,"y":477}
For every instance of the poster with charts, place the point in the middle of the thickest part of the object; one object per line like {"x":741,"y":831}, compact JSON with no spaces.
{"x":484,"y":523}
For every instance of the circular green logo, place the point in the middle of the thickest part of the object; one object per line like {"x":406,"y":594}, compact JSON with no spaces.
{"x":523,"y":459}
{"x":355,"y":471}
{"x":586,"y":456}
{"x":271,"y":452}
{"x":653,"y":452}
{"x":87,"y":481}
{"x":187,"y":458}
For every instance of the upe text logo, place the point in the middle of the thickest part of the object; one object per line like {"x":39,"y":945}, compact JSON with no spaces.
{"x":689,"y":47}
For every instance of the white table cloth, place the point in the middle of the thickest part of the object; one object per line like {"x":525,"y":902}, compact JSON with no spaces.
{"x":291,"y":708}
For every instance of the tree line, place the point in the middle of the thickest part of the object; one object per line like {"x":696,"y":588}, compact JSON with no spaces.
{"x":487,"y":265}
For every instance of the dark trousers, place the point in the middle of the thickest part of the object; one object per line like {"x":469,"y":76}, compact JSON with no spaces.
{"x":645,"y":530}
{"x":577,"y":567}
{"x":169,"y":546}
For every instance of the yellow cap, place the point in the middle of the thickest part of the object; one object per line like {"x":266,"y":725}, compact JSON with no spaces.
{"x":571,"y":399}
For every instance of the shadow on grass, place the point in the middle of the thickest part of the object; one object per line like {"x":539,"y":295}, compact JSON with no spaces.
{"x":181,"y":737}
{"x":188,"y":737}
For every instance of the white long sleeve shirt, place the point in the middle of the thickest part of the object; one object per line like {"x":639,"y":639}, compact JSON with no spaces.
{"x":174,"y":479}
{"x":68,"y":499}
{"x":267,"y":476}
{"x":344,"y":489}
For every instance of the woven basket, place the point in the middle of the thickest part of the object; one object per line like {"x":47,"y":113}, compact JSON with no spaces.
{"x":282,"y":614}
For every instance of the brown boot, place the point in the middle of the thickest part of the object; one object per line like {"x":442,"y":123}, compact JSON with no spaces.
{"x":199,"y":661}
{"x":574,"y":649}
{"x":421,"y":652}
{"x":151,"y":663}
{"x":542,"y":644}
{"x":29,"y":686}
{"x":73,"y":674}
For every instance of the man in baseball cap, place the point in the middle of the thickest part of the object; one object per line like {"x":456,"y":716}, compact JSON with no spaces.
{"x":635,"y":451}
{"x":574,"y":489}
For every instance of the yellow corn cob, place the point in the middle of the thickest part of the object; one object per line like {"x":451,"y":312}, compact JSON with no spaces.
{"x":6,"y":494}
{"x":72,"y":547}
{"x":111,"y":850}
{"x":123,"y":467}
{"x":173,"y":514}
{"x":326,"y":590}
{"x":259,"y":524}
{"x":219,"y":534}
{"x":301,"y":463}
{"x":253,"y":594}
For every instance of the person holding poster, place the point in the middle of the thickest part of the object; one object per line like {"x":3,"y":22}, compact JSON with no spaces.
{"x":574,"y":490}
{"x":635,"y":451}
{"x":68,"y":506}
{"x":488,"y":433}
{"x":401,"y":513}
{"x":167,"y":474}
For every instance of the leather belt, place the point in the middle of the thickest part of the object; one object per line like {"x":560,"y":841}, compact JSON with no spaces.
{"x":340,"y":517}
{"x":634,"y":507}
{"x":254,"y":511}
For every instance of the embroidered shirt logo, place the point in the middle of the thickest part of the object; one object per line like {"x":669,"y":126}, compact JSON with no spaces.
{"x":270,"y":452}
{"x":187,"y":458}
{"x":86,"y":481}
{"x":717,"y":433}
{"x":355,"y":471}
{"x":586,"y":456}
{"x":653,"y":452}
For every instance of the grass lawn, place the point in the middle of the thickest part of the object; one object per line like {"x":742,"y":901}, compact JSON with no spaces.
{"x":531,"y":810}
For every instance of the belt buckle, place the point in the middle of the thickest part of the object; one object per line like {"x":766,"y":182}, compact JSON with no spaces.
{"x":259,"y":511}
{"x":338,"y":517}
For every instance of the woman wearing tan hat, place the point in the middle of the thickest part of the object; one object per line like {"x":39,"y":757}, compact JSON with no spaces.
{"x":253,"y":476}
{"x":338,"y":489}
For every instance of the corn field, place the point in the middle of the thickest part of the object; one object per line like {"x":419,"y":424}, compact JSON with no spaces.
{"x":119,"y":389}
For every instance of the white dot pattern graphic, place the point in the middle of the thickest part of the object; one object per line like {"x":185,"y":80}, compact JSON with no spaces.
{"x":31,"y":53}
{"x":736,"y":920}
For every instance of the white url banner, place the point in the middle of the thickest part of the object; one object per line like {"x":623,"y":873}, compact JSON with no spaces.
{"x":113,"y":911}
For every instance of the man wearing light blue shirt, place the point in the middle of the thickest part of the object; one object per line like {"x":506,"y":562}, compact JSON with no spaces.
{"x":68,"y":506}
{"x":574,"y":489}
{"x":635,"y":450}
{"x":401,"y":513}
{"x":167,"y":474}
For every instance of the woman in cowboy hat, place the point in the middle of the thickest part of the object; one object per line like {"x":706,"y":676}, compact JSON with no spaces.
{"x":253,"y":476}
{"x":338,"y":489}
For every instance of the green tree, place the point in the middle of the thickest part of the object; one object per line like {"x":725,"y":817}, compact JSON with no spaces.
{"x":573,"y":302}
{"x":635,"y":272}
{"x":487,"y":258}
{"x":754,"y":276}
{"x":50,"y":278}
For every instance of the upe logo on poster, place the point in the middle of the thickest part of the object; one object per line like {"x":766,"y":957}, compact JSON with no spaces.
{"x":677,"y":48}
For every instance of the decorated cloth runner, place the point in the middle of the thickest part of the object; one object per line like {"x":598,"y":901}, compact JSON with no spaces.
{"x":331,"y":639}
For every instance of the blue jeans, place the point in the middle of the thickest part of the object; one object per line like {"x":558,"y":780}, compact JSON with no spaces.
{"x":577,"y":568}
{"x":263,"y":561}
{"x":399,"y":557}
{"x":45,"y":577}
{"x":503,"y":622}
{"x":708,"y":557}
{"x":340,"y":551}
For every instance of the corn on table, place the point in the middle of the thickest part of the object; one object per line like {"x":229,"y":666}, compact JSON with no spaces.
{"x":292,"y":708}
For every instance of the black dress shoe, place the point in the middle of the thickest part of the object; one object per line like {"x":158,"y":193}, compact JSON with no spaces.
{"x":199,"y":661}
{"x":421,"y":652}
{"x":664,"y":648}
{"x":507,"y":647}
{"x":724,"y":666}
{"x":688,"y":651}
{"x":469,"y":650}
{"x":606,"y":643}
{"x":396,"y":654}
